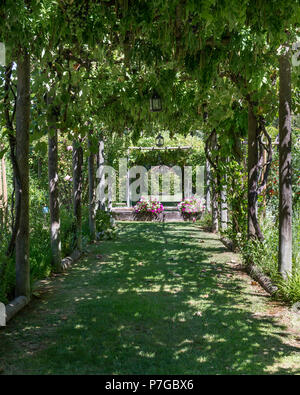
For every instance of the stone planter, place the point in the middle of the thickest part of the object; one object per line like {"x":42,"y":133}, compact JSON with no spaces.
{"x":190,"y":216}
{"x":148,"y":216}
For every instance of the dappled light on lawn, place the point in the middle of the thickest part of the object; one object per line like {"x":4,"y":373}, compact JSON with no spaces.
{"x":152,"y":308}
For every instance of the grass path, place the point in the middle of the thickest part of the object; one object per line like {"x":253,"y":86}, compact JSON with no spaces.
{"x":161,"y":299}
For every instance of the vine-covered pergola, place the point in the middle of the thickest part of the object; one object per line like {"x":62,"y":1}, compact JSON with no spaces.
{"x":153,"y":148}
{"x":229,"y":68}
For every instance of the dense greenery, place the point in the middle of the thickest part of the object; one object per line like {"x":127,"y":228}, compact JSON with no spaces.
{"x":265,"y":254}
{"x":214,"y":63}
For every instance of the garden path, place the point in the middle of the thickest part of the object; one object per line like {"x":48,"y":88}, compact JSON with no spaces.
{"x":160,"y":299}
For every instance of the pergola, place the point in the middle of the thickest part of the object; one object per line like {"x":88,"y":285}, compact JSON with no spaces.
{"x":153,"y":148}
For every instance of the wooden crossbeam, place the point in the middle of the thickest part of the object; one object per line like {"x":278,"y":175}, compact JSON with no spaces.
{"x":159,"y":148}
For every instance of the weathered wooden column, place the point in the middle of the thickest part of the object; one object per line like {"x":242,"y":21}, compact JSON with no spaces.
{"x":53,"y":187}
{"x":214,"y":207}
{"x":128,"y":181}
{"x":252,"y":172}
{"x":92,"y":198}
{"x":214,"y":191}
{"x":100,"y":171}
{"x":1,"y":199}
{"x":207,"y":187}
{"x":22,"y":158}
{"x":77,"y":191}
{"x":224,"y":213}
{"x":285,"y":168}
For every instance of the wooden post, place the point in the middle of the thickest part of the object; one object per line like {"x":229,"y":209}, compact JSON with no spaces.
{"x":1,"y":188}
{"x":214,"y":206}
{"x":55,"y":241}
{"x":223,"y":210}
{"x":77,"y":191}
{"x":128,"y":183}
{"x":1,"y":199}
{"x":265,"y":190}
{"x":4,"y":183}
{"x":252,"y":172}
{"x":285,"y":168}
{"x":91,"y":177}
{"x":101,"y":203}
{"x":182,"y":185}
{"x":214,"y":194}
{"x":3,"y":191}
{"x":22,"y":157}
{"x":207,"y":187}
{"x":54,"y":194}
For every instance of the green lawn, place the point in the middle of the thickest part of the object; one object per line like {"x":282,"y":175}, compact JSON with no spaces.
{"x":161,"y":299}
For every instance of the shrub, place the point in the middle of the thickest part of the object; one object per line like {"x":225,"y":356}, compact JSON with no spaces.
{"x":105,"y":228}
{"x":206,"y":221}
{"x":67,"y":231}
{"x":290,"y":288}
{"x":39,"y":249}
{"x":265,"y":255}
{"x":7,"y":278}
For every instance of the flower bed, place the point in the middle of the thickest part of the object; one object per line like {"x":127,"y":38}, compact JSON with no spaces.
{"x":148,"y":209}
{"x":191,"y":208}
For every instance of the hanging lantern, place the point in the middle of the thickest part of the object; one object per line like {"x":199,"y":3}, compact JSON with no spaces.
{"x":159,"y":140}
{"x":155,"y":102}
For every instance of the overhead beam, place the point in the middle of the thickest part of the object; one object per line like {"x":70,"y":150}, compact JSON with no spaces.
{"x":159,"y":148}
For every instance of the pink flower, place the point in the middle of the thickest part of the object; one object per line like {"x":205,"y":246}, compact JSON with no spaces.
{"x":68,"y":178}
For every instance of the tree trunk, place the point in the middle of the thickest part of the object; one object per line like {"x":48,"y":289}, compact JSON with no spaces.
{"x":91,"y":175}
{"x":54,"y":192}
{"x":22,"y":153}
{"x":77,"y":191}
{"x":285,"y":169}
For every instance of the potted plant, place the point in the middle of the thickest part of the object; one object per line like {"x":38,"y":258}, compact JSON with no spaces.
{"x":191,"y":208}
{"x":148,"y":209}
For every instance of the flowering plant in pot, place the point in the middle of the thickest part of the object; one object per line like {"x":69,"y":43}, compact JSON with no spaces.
{"x":192,"y":208}
{"x":148,"y":209}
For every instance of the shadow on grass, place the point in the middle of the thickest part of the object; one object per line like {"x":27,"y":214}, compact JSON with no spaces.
{"x":152,"y":304}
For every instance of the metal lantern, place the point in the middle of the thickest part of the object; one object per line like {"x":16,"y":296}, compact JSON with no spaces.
{"x":159,"y":140}
{"x":155,"y":102}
